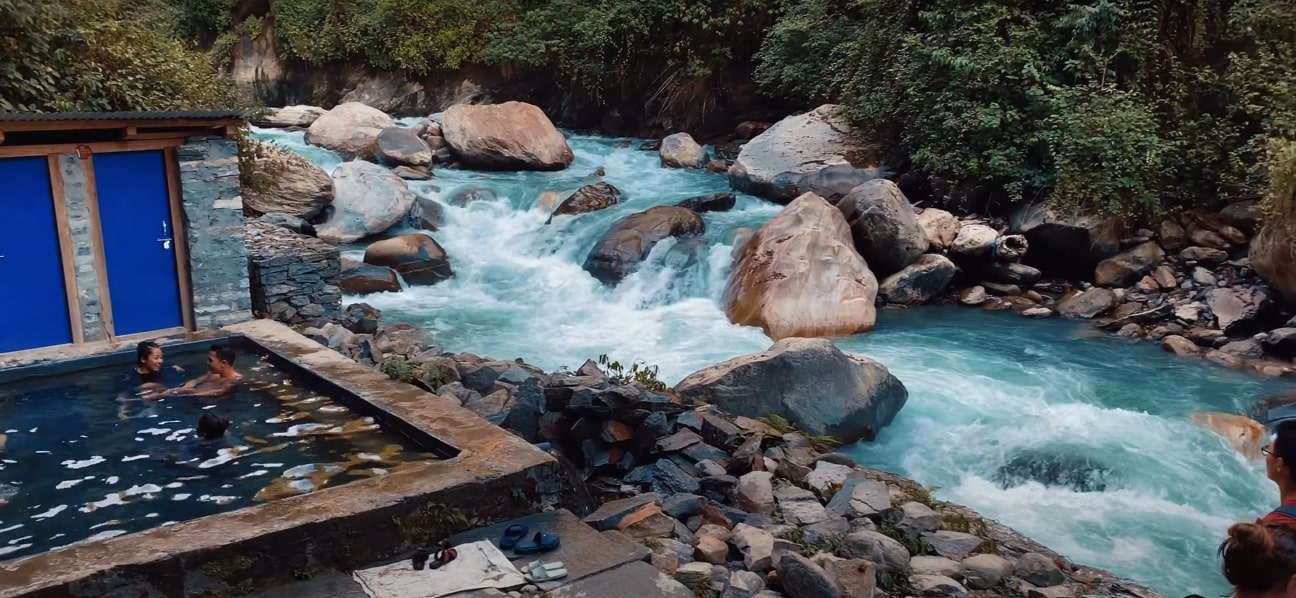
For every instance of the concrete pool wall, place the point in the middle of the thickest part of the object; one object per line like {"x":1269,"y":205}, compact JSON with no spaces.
{"x":493,"y":475}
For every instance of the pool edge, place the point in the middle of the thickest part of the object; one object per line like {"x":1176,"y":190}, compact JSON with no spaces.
{"x":495,"y":475}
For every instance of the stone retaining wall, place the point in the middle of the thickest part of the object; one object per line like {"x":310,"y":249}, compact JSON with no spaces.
{"x":294,"y":277}
{"x":213,"y":212}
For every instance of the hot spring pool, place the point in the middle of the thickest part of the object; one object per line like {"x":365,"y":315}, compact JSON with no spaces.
{"x":85,"y":459}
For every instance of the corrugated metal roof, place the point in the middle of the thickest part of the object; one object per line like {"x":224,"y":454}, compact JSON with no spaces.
{"x":155,"y":115}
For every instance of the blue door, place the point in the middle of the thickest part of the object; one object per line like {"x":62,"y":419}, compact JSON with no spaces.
{"x":139,"y":241}
{"x":33,"y":300}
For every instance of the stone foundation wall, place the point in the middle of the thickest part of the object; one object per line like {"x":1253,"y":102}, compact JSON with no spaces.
{"x":294,"y":278}
{"x":213,"y":210}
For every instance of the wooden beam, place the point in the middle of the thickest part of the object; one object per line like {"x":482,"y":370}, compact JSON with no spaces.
{"x":13,"y":151}
{"x":99,"y":125}
{"x":96,"y":237}
{"x":179,"y":235}
{"x":1,"y":136}
{"x":66,"y":250}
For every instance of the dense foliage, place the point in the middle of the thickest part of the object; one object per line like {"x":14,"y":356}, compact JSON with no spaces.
{"x":1125,"y":106}
{"x":74,"y":55}
{"x":598,"y":46}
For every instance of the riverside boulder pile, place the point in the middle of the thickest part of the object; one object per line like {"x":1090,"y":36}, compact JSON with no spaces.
{"x":1187,"y":282}
{"x":730,"y":505}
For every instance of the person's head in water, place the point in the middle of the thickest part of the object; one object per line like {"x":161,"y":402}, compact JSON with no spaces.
{"x":148,"y":357}
{"x":220,"y":361}
{"x":212,"y":426}
{"x":1260,"y":560}
{"x":1280,"y":457}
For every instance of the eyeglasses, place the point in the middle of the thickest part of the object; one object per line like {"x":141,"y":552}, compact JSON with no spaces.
{"x":1265,"y":451}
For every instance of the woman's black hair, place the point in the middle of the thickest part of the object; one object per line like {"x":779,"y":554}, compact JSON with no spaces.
{"x":143,"y":350}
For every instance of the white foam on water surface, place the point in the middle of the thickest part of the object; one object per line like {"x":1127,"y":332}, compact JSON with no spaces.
{"x":82,"y":464}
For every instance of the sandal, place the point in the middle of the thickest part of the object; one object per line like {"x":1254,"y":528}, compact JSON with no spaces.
{"x":512,"y":536}
{"x":443,"y":557}
{"x":536,"y":572}
{"x":420,"y":559}
{"x":542,"y":542}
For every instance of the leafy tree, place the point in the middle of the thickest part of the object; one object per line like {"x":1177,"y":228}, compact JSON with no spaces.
{"x":1128,"y":107}
{"x":85,"y":55}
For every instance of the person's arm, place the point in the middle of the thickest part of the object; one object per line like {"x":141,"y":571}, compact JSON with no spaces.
{"x":216,"y":388}
{"x":196,"y":381}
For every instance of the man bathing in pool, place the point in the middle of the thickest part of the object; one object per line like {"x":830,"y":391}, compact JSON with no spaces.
{"x":219,"y":379}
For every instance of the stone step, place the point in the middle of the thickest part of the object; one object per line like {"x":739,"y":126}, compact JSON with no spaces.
{"x":638,"y":579}
{"x":584,"y":551}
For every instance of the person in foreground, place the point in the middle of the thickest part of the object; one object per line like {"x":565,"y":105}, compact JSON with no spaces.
{"x":219,"y":379}
{"x":1260,"y":560}
{"x":1280,"y":465}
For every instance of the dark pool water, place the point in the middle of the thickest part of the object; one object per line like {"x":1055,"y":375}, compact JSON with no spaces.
{"x":83,"y":458}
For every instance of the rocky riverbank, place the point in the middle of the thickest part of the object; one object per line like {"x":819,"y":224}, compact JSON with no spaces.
{"x":733,"y":505}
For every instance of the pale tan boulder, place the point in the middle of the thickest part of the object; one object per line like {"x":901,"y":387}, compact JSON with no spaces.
{"x":799,"y":275}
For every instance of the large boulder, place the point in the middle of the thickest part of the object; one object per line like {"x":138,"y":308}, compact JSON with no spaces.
{"x":418,"y":258}
{"x":359,"y":278}
{"x":618,"y":253}
{"x":508,"y":136}
{"x":1273,"y":255}
{"x":1244,"y":434}
{"x":918,"y":282}
{"x":349,"y":129}
{"x":799,"y":275}
{"x":812,"y":152}
{"x":286,"y":183}
{"x":1244,"y":215}
{"x":883,"y":225}
{"x":1066,"y":244}
{"x":1236,"y":309}
{"x":807,"y":381}
{"x":589,"y":198}
{"x":400,"y":146}
{"x":1127,"y":267}
{"x":941,"y":227}
{"x":681,"y":151}
{"x":289,"y":116}
{"x":368,"y":199}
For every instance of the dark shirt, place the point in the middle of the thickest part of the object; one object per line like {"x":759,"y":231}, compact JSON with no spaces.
{"x":1281,"y":518}
{"x":135,"y":378}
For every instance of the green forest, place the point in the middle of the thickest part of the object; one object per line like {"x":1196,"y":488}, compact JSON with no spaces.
{"x":1127,"y":107}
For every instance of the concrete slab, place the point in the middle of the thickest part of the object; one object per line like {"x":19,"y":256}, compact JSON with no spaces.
{"x":584,"y":551}
{"x":637,"y":579}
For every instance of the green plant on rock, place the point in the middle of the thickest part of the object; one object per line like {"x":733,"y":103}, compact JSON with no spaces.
{"x":778,"y":423}
{"x":257,"y":169}
{"x":638,"y":372}
{"x":399,"y":369}
{"x":823,"y":443}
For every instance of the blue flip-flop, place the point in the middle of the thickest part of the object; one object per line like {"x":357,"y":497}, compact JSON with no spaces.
{"x":541,"y":542}
{"x":512,"y":535}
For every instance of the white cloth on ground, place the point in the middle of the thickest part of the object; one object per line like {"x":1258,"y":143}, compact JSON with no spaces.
{"x":479,"y":565}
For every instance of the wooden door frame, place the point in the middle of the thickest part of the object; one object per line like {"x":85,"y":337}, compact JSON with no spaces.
{"x":179,"y":236}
